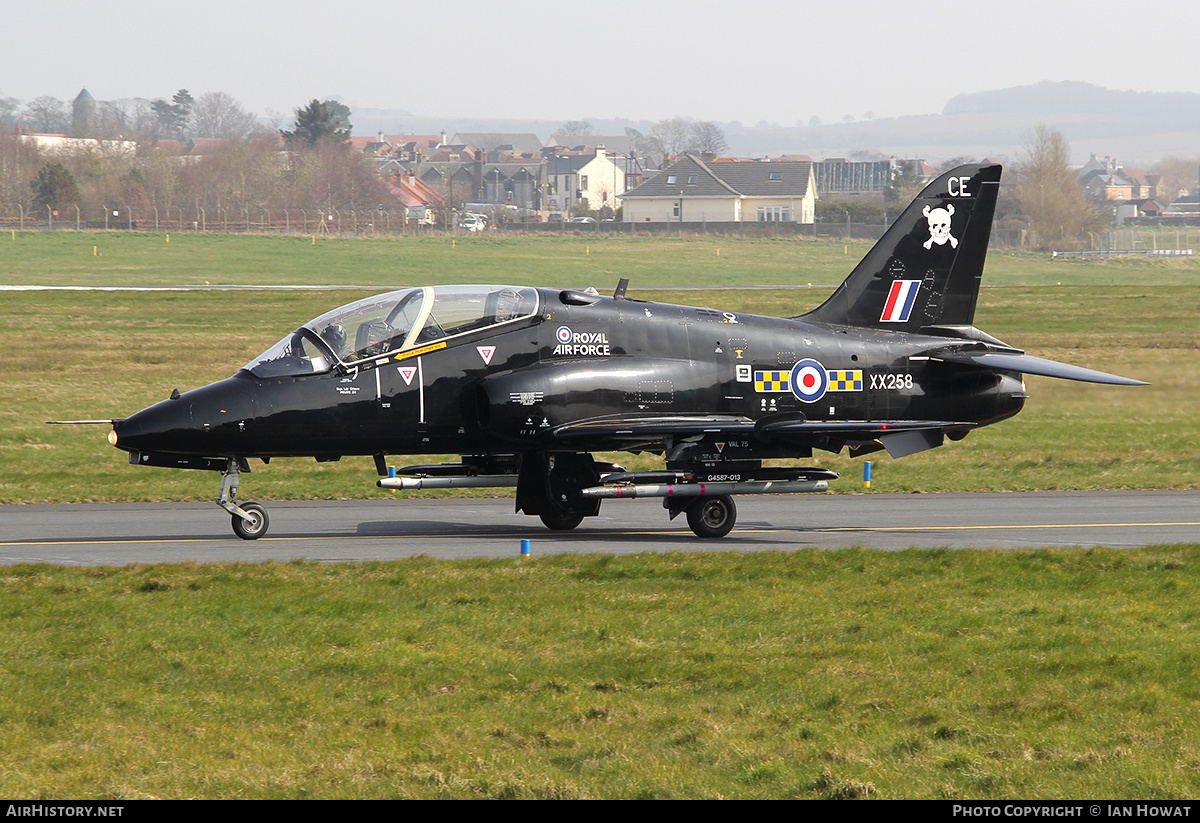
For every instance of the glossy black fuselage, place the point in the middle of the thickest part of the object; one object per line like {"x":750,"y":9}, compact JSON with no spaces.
{"x":578,"y":358}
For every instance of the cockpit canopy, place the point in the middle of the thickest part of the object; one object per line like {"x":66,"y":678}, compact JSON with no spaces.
{"x":395,"y":322}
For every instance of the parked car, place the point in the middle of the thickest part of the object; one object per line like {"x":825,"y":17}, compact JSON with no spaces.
{"x":583,"y":219}
{"x":472,"y":222}
{"x":554,"y":218}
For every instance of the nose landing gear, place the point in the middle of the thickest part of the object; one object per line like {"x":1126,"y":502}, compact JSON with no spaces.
{"x":250,"y":520}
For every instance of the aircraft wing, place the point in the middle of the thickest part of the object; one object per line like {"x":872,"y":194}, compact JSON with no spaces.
{"x":899,"y":437}
{"x":1028,"y":364}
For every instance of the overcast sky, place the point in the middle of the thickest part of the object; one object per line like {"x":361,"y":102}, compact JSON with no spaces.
{"x":745,"y":60}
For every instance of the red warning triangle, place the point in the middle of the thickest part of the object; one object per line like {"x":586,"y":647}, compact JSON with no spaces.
{"x":408,"y":373}
{"x":486,"y":353}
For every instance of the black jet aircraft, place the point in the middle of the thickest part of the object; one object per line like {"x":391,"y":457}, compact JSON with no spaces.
{"x":527,"y":383}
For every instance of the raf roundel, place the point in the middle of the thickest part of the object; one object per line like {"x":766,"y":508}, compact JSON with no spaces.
{"x":563,"y":334}
{"x":809,"y":381}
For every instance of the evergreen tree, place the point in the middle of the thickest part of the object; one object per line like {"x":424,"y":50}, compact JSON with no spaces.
{"x":173,"y":117}
{"x":319,"y":122}
{"x":54,"y":186}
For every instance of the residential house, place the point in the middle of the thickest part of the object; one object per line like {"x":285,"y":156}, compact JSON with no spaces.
{"x":1126,"y":192}
{"x":704,"y":189}
{"x":421,"y":203}
{"x":471,"y":178}
{"x":592,"y":180}
{"x":1186,"y":205}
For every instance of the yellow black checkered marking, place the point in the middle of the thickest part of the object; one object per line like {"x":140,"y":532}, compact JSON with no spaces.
{"x":773,"y":381}
{"x":781,"y":381}
{"x":850,"y":380}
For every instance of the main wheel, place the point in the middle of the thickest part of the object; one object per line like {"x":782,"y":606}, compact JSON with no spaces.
{"x":712,"y":516}
{"x":253,"y":528}
{"x":560,"y":522}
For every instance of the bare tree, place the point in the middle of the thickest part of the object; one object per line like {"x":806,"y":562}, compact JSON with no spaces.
{"x":1050,"y":195}
{"x":1178,"y":174}
{"x":126,"y":119}
{"x":580,"y":127}
{"x":217,"y":114}
{"x":47,"y":115}
{"x":8,"y":113}
{"x":708,"y":136}
{"x":673,"y":136}
{"x":19,"y":162}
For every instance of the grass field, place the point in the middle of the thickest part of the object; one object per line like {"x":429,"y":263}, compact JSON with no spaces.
{"x":137,"y":259}
{"x":849,"y":674}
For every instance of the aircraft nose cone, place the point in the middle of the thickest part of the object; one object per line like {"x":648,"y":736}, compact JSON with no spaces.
{"x":206,"y":421}
{"x":155,"y":428}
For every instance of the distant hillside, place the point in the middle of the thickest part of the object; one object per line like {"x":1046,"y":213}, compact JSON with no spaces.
{"x":1139,"y":128}
{"x":1073,"y":97}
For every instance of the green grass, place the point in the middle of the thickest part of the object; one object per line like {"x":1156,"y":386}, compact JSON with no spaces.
{"x":937,"y":674}
{"x":141,"y":259}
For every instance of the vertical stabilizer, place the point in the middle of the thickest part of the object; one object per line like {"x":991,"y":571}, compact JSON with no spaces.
{"x":926,"y":268}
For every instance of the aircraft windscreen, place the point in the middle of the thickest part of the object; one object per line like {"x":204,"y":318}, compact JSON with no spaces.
{"x":406,"y":319}
{"x":369,"y":327}
{"x":393,"y":322}
{"x":294,"y":355}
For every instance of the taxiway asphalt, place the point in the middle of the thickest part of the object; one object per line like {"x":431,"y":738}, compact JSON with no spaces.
{"x":356,"y":530}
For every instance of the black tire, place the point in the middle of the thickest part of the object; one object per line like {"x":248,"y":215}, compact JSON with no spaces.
{"x":560,"y":521}
{"x":254,"y":528}
{"x":712,"y":516}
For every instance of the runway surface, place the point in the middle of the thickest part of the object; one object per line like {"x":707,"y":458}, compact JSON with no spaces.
{"x":348,"y":530}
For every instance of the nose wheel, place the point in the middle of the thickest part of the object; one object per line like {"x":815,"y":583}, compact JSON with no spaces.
{"x":249,"y":520}
{"x":253,"y":525}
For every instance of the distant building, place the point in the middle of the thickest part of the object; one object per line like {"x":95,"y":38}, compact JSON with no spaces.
{"x":594,"y":180}
{"x":62,"y":144}
{"x":695,"y":189}
{"x":1125,"y":192}
{"x":421,"y":203}
{"x":83,"y":115}
{"x":471,"y":178}
{"x":1187,"y":205}
{"x":842,"y":176}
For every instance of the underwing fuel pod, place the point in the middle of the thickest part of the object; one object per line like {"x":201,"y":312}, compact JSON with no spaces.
{"x":526,"y":384}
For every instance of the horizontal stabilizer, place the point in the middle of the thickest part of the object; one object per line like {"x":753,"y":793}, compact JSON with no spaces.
{"x":1028,"y":364}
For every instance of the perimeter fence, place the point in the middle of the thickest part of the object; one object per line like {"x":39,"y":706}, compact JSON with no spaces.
{"x":1161,"y":237}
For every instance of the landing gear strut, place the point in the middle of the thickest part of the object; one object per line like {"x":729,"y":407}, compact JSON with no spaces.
{"x":250,"y":520}
{"x":550,"y":486}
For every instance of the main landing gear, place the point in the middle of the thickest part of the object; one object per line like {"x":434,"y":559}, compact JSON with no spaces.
{"x":562,"y":488}
{"x":712,"y":516}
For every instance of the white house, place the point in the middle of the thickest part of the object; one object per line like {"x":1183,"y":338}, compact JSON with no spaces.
{"x":695,"y":189}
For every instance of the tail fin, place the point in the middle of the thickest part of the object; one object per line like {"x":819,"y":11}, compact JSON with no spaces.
{"x":926,"y":268}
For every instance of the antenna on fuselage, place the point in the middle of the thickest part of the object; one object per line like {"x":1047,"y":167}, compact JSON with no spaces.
{"x":619,"y":292}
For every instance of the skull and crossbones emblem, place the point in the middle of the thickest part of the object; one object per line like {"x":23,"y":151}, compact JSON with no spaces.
{"x":939,"y":226}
